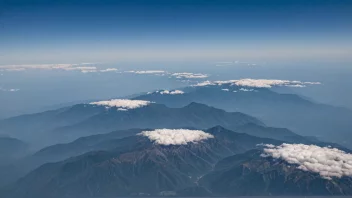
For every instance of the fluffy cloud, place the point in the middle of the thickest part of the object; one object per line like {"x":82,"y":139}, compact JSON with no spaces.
{"x":176,"y":136}
{"x":189,"y":75}
{"x":328,"y":162}
{"x":122,"y":104}
{"x":258,"y":83}
{"x":174,"y":92}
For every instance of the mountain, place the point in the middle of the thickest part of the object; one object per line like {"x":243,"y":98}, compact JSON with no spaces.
{"x":282,"y":134}
{"x":11,"y":149}
{"x":289,"y":111}
{"x":249,"y":174}
{"x":135,"y":166}
{"x":68,"y":124}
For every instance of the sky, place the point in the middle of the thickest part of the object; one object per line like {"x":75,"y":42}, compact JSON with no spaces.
{"x":46,"y":31}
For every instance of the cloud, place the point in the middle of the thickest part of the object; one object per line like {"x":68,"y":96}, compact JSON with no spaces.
{"x":243,"y":89}
{"x":109,"y":70}
{"x":259,"y":83}
{"x":174,"y":92}
{"x":9,"y":90}
{"x":176,"y":136}
{"x":147,"y":72}
{"x":327,"y":162}
{"x":225,"y":89}
{"x":122,"y":104}
{"x":189,"y":75}
{"x":83,"y":67}
{"x":234,"y":63}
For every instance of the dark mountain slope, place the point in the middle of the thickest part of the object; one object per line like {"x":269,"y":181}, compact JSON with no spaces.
{"x":134,"y":166}
{"x":249,"y":174}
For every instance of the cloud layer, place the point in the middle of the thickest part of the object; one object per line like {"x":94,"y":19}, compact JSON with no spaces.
{"x":82,"y":67}
{"x":258,"y":83}
{"x":122,"y":104}
{"x":328,"y":162}
{"x":176,"y":136}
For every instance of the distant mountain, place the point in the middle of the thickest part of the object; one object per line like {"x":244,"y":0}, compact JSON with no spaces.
{"x":68,"y":124}
{"x":290,"y":111}
{"x":11,"y":149}
{"x":249,"y":174}
{"x":135,"y":166}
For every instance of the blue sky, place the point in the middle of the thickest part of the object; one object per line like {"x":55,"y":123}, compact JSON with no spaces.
{"x":42,"y":31}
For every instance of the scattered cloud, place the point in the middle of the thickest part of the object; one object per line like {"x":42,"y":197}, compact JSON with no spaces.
{"x":234,"y":63}
{"x":147,"y":72}
{"x":243,"y":89}
{"x":9,"y":90}
{"x":225,"y":89}
{"x":83,"y":67}
{"x":259,"y":83}
{"x":174,"y":92}
{"x":189,"y":75}
{"x":176,"y":136}
{"x":122,"y":104}
{"x":328,"y":162}
{"x":109,"y":70}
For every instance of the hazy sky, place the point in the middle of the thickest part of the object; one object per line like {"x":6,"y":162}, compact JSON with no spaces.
{"x":44,"y":31}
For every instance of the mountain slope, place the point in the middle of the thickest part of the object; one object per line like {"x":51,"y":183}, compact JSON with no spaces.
{"x":249,"y":174}
{"x":135,"y":165}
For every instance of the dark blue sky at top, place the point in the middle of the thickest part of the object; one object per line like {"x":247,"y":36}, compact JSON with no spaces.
{"x":84,"y":26}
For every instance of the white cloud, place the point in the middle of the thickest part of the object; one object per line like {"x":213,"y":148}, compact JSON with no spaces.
{"x":83,"y":67}
{"x":9,"y":90}
{"x":122,"y":104}
{"x":189,"y":75}
{"x":176,"y":136}
{"x":326,"y":161}
{"x":147,"y":72}
{"x":233,"y":63}
{"x":243,"y":89}
{"x":174,"y":92}
{"x":109,"y":70}
{"x":258,"y":83}
{"x":225,"y":89}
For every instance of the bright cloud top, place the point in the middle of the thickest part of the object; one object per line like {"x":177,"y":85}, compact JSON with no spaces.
{"x":258,"y":83}
{"x":176,"y":136}
{"x":174,"y":92}
{"x":328,"y":162}
{"x":122,"y":104}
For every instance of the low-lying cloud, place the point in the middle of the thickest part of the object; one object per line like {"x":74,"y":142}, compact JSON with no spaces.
{"x":122,"y":104}
{"x":327,"y":162}
{"x":176,"y":136}
{"x":258,"y":83}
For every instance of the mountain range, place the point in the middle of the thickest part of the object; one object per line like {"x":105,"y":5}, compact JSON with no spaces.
{"x":290,"y":111}
{"x":227,"y":164}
